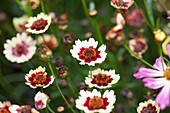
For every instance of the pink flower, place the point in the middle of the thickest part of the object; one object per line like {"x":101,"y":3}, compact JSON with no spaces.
{"x":155,"y":79}
{"x":168,"y":15}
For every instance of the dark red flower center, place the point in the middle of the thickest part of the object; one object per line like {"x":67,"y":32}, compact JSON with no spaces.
{"x":89,"y":54}
{"x":139,"y":46}
{"x":20,"y":49}
{"x":22,"y":26}
{"x":101,"y":79}
{"x":3,"y":111}
{"x":167,"y":73}
{"x":121,"y":3}
{"x":39,"y":24}
{"x":25,"y":109}
{"x":149,"y":109}
{"x":32,"y":3}
{"x":40,"y":78}
{"x":96,"y":103}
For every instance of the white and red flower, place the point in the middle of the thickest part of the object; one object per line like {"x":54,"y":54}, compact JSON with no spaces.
{"x":19,"y":23}
{"x":22,"y":109}
{"x":41,"y":100}
{"x":20,"y":48}
{"x":38,"y":78}
{"x":148,"y":106}
{"x":86,"y":52}
{"x":102,"y":79}
{"x":4,"y":107}
{"x":38,"y":24}
{"x":121,"y":4}
{"x":91,"y":102}
{"x":157,"y":78}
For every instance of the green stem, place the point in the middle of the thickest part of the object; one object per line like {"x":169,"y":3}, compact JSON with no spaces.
{"x":29,"y":8}
{"x":46,"y":106}
{"x":160,"y":53}
{"x":91,"y":71}
{"x":165,"y":7}
{"x":127,"y":47}
{"x":71,"y":87}
{"x":49,"y":65}
{"x":42,"y":6}
{"x":23,"y":7}
{"x":50,"y":109}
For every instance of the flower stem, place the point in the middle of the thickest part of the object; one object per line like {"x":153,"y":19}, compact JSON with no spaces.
{"x":46,"y":106}
{"x":165,"y":7}
{"x":50,"y":109}
{"x":127,"y":47}
{"x":29,"y":8}
{"x":23,"y":7}
{"x":49,"y":65}
{"x":71,"y":87}
{"x":91,"y":71}
{"x":42,"y":6}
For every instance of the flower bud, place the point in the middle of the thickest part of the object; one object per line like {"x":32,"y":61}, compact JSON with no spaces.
{"x":60,"y":109}
{"x":68,"y":38}
{"x":62,"y":72}
{"x":62,"y":24}
{"x":159,"y":35}
{"x":92,"y":11}
{"x":45,"y":53}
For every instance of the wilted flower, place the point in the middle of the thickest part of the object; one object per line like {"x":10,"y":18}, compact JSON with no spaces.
{"x":136,"y":33}
{"x":62,"y":24}
{"x":121,"y":4}
{"x":62,"y":72}
{"x":20,"y":48}
{"x":159,"y":35}
{"x":139,"y":46}
{"x":68,"y":38}
{"x":22,"y":109}
{"x":38,"y":78}
{"x":148,"y":106}
{"x":45,"y":53}
{"x":102,"y":79}
{"x":41,"y":100}
{"x":86,"y":53}
{"x":38,"y":24}
{"x":166,"y":46}
{"x":91,"y":102}
{"x":157,"y":78}
{"x":4,"y":107}
{"x":33,"y":3}
{"x":49,"y":40}
{"x":135,"y":19}
{"x":19,"y":23}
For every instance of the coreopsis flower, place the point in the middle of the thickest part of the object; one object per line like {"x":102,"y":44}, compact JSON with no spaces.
{"x":148,"y":106}
{"x":33,"y":3}
{"x":38,"y":78}
{"x":166,"y":46}
{"x":20,"y":48}
{"x":157,"y":78}
{"x":62,"y":72}
{"x":136,"y":33}
{"x":19,"y":23}
{"x":121,"y":4}
{"x":86,"y":52}
{"x":4,"y":107}
{"x":41,"y":100}
{"x":22,"y":109}
{"x":159,"y":35}
{"x":102,"y":79}
{"x":68,"y":38}
{"x":139,"y":46}
{"x":38,"y":24}
{"x":135,"y":19}
{"x":49,"y":40}
{"x":92,"y":102}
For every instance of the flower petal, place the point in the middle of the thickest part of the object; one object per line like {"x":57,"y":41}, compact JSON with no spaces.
{"x":158,"y":64}
{"x":154,"y":83}
{"x":168,"y":49}
{"x":146,"y":72}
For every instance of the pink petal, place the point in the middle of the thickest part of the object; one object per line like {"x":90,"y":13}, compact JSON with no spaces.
{"x":39,"y":104}
{"x":154,"y":83}
{"x":168,"y":49}
{"x":158,"y":64}
{"x":146,"y":72}
{"x":163,"y":98}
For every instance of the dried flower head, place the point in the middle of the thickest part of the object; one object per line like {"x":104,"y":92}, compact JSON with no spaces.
{"x":19,"y":23}
{"x":62,"y":72}
{"x":68,"y":38}
{"x":148,"y":106}
{"x":45,"y":53}
{"x":38,"y":78}
{"x":38,"y":24}
{"x":121,"y":4}
{"x":139,"y":46}
{"x":49,"y":40}
{"x":159,"y":35}
{"x":20,"y":48}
